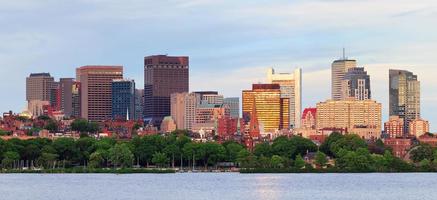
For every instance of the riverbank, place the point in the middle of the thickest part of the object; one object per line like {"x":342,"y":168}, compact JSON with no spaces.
{"x":328,"y":170}
{"x":91,"y":171}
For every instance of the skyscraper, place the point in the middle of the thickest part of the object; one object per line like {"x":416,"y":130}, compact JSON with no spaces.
{"x":404,"y":96}
{"x":75,"y":100}
{"x":234,"y":106}
{"x":356,"y":84}
{"x":123,"y":99}
{"x":139,"y":104}
{"x":338,"y":71}
{"x":66,"y":95}
{"x":291,"y":88}
{"x":271,"y":109}
{"x":96,"y":90}
{"x":39,"y":86}
{"x":163,"y":76}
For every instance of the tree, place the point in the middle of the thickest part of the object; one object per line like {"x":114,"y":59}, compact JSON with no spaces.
{"x":51,"y":126}
{"x":121,"y":155}
{"x":277,"y":161}
{"x":232,"y":151}
{"x":421,"y":152}
{"x":302,"y":145}
{"x":320,"y":159}
{"x":160,"y":159}
{"x":282,"y":146}
{"x":349,"y":142}
{"x":80,"y":125}
{"x":9,"y":158}
{"x":299,"y":162}
{"x":47,"y":160}
{"x":96,"y":159}
{"x":171,"y":150}
{"x":65,"y":148}
{"x":263,"y":149}
{"x":31,"y":152}
{"x":332,"y":138}
{"x":211,"y":153}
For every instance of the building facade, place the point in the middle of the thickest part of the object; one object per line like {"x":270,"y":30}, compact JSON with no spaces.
{"x":418,"y":127}
{"x":183,"y":109}
{"x":404,"y":100}
{"x":123,"y":99}
{"x":234,"y":106}
{"x":272,"y":110}
{"x":356,"y":84}
{"x":163,"y":76}
{"x":66,"y":95}
{"x":291,"y":88}
{"x":96,"y":90}
{"x":359,"y":117}
{"x":75,"y":95}
{"x":339,"y":69}
{"x":139,"y":104}
{"x":39,"y":86}
{"x":394,"y":128}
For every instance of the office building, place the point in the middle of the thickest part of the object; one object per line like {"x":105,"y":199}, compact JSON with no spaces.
{"x":163,"y":76}
{"x":183,"y":109}
{"x":139,"y":104}
{"x":75,"y":100}
{"x":339,"y":69}
{"x":123,"y":99}
{"x":291,"y":88}
{"x":66,"y":95}
{"x":96,"y":90}
{"x":356,"y":84}
{"x":272,"y":110}
{"x":234,"y":106}
{"x":39,"y":86}
{"x":404,"y":100}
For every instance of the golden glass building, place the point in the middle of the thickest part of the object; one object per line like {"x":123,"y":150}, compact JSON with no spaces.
{"x":359,"y":117}
{"x":271,"y":109}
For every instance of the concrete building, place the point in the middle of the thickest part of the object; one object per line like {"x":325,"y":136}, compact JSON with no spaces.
{"x":339,"y":69}
{"x":356,"y":84}
{"x":291,"y":88}
{"x":360,"y":117}
{"x":234,"y":106}
{"x":96,"y":90}
{"x":123,"y":99}
{"x":394,"y":128}
{"x":404,"y":96}
{"x":39,"y":86}
{"x":418,"y":127}
{"x":163,"y":76}
{"x":272,"y":109}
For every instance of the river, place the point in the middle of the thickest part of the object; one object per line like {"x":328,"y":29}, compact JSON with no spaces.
{"x":219,"y":186}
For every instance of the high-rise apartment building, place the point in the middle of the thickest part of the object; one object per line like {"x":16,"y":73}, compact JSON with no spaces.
{"x":359,"y":117}
{"x":123,"y":99}
{"x":272,"y":110}
{"x":234,"y":106}
{"x":163,"y":76}
{"x":291,"y":88}
{"x":183,"y":109}
{"x":39,"y":86}
{"x":419,"y":127}
{"x":394,"y":128}
{"x":339,"y":69}
{"x":404,"y":96}
{"x":356,"y":84}
{"x":96,"y":90}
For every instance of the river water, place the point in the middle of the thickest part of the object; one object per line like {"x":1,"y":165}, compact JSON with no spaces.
{"x":220,"y":186}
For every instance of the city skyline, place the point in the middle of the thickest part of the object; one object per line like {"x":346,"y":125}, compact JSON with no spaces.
{"x":242,"y":61}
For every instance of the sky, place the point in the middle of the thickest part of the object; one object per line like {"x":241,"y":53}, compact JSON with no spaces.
{"x":230,"y":43}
